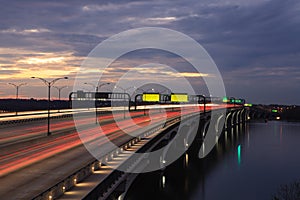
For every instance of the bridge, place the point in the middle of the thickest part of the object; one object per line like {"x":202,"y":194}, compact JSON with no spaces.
{"x":35,"y":165}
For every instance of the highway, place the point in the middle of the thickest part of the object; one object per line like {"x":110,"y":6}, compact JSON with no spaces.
{"x":9,"y":134}
{"x":32,"y":129}
{"x":43,"y":160}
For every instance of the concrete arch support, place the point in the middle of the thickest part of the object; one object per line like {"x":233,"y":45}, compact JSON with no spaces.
{"x":228,"y":119}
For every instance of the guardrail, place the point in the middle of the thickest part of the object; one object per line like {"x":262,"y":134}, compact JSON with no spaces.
{"x":10,"y":122}
{"x":33,"y":119}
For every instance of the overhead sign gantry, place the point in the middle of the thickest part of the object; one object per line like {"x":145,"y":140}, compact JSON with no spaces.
{"x":151,"y":97}
{"x":179,"y":97}
{"x":99,"y":96}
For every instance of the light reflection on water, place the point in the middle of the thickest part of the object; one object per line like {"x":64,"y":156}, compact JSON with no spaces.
{"x":250,"y":163}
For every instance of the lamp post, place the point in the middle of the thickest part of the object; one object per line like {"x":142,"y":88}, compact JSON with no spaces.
{"x":59,"y":90}
{"x":49,"y":84}
{"x":124,"y":91}
{"x":17,"y":86}
{"x":97,"y":87}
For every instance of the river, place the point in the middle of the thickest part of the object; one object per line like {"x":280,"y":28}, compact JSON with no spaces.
{"x":250,"y":163}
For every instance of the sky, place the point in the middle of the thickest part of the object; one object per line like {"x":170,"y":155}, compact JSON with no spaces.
{"x":255,"y":44}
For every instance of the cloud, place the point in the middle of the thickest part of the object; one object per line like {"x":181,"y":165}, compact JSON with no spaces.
{"x":8,"y":72}
{"x":25,"y":32}
{"x":26,"y":63}
{"x":109,"y":7}
{"x":243,"y":37}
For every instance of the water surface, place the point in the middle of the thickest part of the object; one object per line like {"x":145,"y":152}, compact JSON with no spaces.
{"x":248,"y":164}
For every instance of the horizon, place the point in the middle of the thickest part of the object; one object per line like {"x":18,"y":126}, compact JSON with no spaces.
{"x":66,"y":99}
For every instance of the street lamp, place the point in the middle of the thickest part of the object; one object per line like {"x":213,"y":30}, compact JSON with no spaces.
{"x":17,"y":86}
{"x":59,"y":90}
{"x":124,"y":91}
{"x":97,"y":87}
{"x":49,"y":84}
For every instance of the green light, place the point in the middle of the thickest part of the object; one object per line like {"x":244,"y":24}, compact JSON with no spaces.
{"x":239,"y":154}
{"x":238,"y":101}
{"x":248,"y":104}
{"x":225,"y":100}
{"x":274,"y":111}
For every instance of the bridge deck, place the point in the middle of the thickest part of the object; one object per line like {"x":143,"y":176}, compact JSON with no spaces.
{"x":32,"y":179}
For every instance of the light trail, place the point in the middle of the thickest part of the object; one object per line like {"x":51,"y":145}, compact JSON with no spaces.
{"x":10,"y":134}
{"x":20,"y":158}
